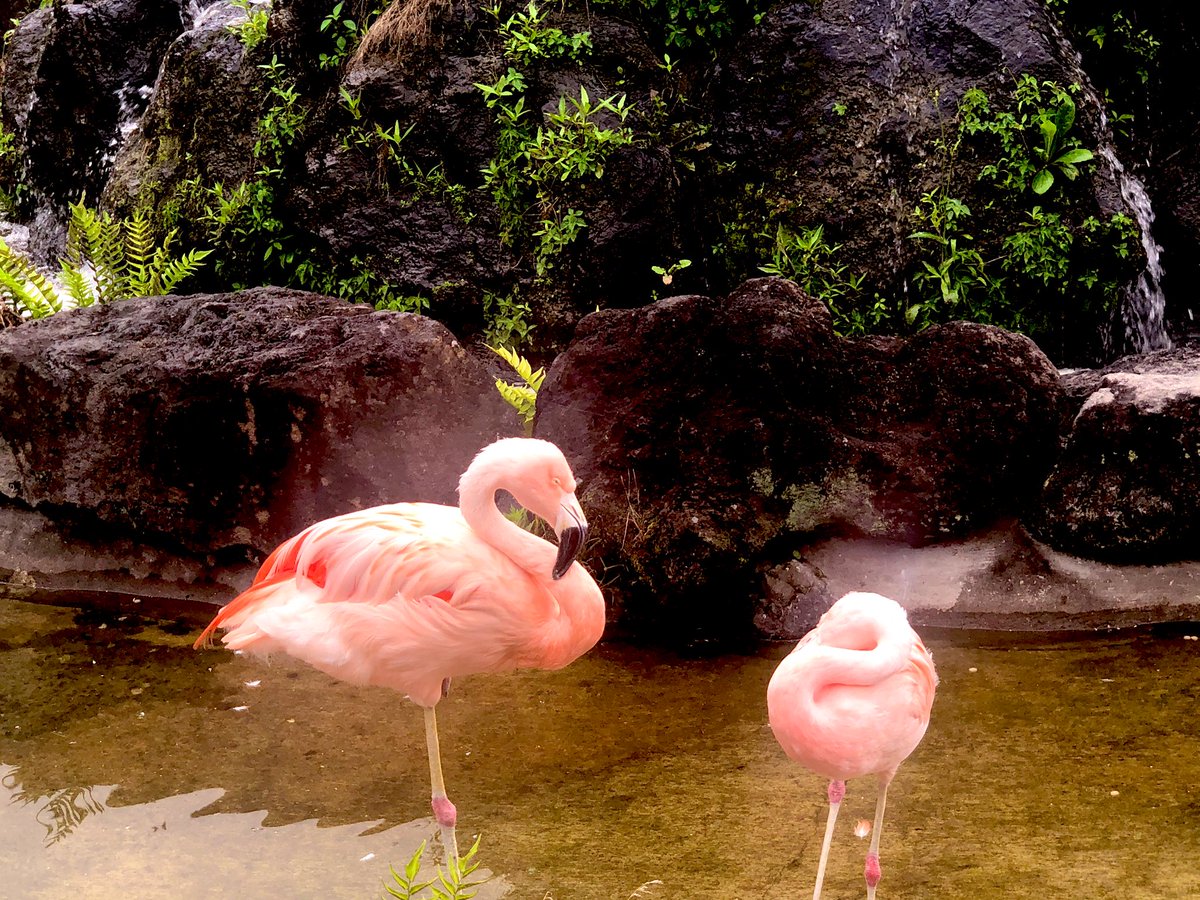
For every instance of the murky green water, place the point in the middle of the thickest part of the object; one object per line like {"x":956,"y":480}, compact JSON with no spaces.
{"x":1051,"y":769}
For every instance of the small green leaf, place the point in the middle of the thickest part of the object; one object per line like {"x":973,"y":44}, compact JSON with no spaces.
{"x":1078,"y":155}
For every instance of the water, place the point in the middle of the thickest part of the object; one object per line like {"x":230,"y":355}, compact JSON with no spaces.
{"x":1142,"y":305}
{"x":1057,"y":768}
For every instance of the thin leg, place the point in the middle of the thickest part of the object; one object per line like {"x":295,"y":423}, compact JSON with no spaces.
{"x":872,"y":871}
{"x":443,"y":809}
{"x":837,"y":790}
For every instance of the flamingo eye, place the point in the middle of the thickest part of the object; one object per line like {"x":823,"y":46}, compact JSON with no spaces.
{"x":556,"y":481}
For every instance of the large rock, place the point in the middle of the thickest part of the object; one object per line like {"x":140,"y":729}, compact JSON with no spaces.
{"x":76,"y":76}
{"x":838,"y":113}
{"x":713,"y":434}
{"x":1127,"y":484}
{"x":223,"y":424}
{"x":201,"y":121}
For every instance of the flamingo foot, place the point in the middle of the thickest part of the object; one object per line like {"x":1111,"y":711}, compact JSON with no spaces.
{"x":873,"y":873}
{"x":837,"y":792}
{"x":447,"y":818}
{"x":444,"y":812}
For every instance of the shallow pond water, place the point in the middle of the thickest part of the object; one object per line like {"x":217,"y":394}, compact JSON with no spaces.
{"x":132,"y":766}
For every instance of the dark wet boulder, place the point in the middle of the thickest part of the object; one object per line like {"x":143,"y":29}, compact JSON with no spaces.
{"x":1127,"y":483}
{"x":221,"y":424}
{"x":76,"y":76}
{"x":201,"y":121}
{"x":839,"y":114}
{"x":416,"y":209}
{"x":712,"y":435}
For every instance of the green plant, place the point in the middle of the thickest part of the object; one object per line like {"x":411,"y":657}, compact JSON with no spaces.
{"x":1041,"y":107}
{"x":455,"y":883}
{"x":956,"y":273}
{"x":576,"y":145}
{"x":352,"y":103}
{"x":1040,"y":248}
{"x":667,"y":273}
{"x":506,"y":320}
{"x":107,"y":259}
{"x":527,"y":39}
{"x":806,"y":258}
{"x":8,"y":144}
{"x":1121,"y":54}
{"x":695,"y":25}
{"x":533,"y":167}
{"x":555,"y":233}
{"x":253,"y":31}
{"x":344,"y":34}
{"x":520,"y":395}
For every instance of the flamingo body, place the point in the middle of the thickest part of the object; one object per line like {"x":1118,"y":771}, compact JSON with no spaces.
{"x":410,"y":594}
{"x":852,"y":699}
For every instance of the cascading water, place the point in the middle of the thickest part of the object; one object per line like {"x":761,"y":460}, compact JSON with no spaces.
{"x":1143,"y":305}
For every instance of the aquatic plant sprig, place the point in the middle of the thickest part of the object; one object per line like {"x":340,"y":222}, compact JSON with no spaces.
{"x":453,"y":883}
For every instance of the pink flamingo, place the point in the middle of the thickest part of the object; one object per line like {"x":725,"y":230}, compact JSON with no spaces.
{"x":853,"y":698}
{"x":411,"y":594}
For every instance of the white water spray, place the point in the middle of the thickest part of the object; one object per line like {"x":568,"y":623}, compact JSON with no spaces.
{"x":1143,"y":304}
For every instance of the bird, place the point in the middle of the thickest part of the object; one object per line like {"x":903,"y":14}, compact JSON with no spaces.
{"x":853,"y":698}
{"x":410,"y":595}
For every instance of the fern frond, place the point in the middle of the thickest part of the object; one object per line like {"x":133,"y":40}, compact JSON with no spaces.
{"x":522,"y":367}
{"x":27,"y":288}
{"x":99,"y":242}
{"x":169,"y":272}
{"x":139,"y":257}
{"x":78,"y":230}
{"x":78,"y":285}
{"x":521,"y":398}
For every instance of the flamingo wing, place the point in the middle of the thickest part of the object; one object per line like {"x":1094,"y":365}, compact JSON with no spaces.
{"x":403,"y":551}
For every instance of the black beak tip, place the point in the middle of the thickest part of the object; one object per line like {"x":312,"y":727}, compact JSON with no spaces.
{"x":570,"y":542}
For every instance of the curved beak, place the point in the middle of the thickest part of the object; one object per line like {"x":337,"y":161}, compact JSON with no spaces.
{"x":571,"y":528}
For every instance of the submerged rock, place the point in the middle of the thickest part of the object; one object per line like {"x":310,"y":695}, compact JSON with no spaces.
{"x":219,"y":425}
{"x":1127,"y":484}
{"x":712,"y":435}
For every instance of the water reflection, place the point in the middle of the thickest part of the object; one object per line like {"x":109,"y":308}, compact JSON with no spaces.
{"x":161,"y":849}
{"x":60,"y":813}
{"x":1052,"y":768}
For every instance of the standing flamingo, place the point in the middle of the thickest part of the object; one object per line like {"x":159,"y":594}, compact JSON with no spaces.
{"x":411,"y":594}
{"x":853,"y":699}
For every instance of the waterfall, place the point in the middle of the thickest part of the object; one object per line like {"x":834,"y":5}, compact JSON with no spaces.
{"x":1143,"y":306}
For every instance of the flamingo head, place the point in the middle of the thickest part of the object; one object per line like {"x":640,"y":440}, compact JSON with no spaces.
{"x":859,"y":620}
{"x":539,"y":478}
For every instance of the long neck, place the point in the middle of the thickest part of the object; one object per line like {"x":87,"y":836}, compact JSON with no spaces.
{"x":840,"y":665}
{"x":815,"y":666}
{"x":574,"y":617}
{"x":477,"y":500}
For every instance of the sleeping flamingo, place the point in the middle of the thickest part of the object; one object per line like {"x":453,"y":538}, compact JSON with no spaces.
{"x":853,"y":699}
{"x":411,"y":594}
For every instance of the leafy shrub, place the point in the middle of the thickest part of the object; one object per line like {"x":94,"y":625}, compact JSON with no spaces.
{"x":533,"y":167}
{"x":252,"y":31}
{"x":1040,"y":108}
{"x":455,"y":883}
{"x":107,"y":259}
{"x":520,"y":395}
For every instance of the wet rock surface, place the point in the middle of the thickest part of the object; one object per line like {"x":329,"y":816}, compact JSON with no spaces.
{"x":713,"y":433}
{"x":73,"y":74}
{"x":220,"y":425}
{"x":1127,"y":483}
